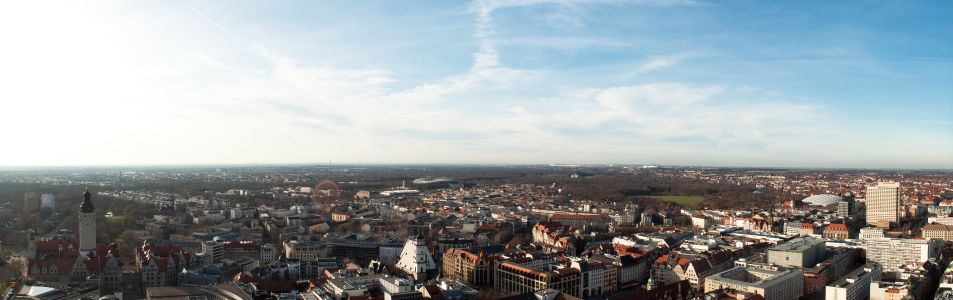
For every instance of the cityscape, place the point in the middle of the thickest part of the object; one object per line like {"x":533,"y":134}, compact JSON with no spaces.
{"x":476,"y":150}
{"x":476,"y":232}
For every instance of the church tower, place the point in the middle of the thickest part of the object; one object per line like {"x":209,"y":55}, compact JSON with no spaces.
{"x":87,"y":225}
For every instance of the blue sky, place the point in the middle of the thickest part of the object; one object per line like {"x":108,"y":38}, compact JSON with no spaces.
{"x":723,"y":83}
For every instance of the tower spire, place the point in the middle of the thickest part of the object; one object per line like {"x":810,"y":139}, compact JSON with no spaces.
{"x":87,"y":205}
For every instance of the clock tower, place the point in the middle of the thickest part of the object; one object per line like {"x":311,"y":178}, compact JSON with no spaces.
{"x":87,"y":225}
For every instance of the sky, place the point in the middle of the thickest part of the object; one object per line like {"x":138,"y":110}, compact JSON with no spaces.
{"x":853,"y":84}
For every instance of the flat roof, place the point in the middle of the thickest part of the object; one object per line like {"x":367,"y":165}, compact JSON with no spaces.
{"x":797,"y":245}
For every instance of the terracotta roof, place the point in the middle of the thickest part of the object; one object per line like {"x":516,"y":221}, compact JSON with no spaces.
{"x":682,"y":261}
{"x":839,"y":227}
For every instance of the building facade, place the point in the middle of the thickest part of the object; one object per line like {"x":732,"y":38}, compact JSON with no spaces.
{"x":518,"y":278}
{"x":798,"y":253}
{"x":883,"y":202}
{"x":894,"y":253}
{"x":416,"y":261}
{"x":475,"y":269}
{"x":87,"y":225}
{"x":771,"y":284}
{"x":938,"y":231}
{"x":836,"y":232}
{"x":854,"y":286}
{"x":64,"y":259}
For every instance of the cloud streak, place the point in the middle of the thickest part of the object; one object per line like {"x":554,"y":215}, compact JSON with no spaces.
{"x":200,"y":97}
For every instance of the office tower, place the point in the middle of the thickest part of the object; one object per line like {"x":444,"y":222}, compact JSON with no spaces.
{"x":883,"y":203}
{"x":30,"y":201}
{"x":48,"y":200}
{"x":846,"y":207}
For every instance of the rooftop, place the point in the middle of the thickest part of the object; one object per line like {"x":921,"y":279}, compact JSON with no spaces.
{"x":798,"y":245}
{"x":751,"y":276}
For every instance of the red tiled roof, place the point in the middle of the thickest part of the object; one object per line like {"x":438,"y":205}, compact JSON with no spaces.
{"x":839,"y":227}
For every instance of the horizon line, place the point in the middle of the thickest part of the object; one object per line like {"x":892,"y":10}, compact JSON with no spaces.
{"x":393,"y":164}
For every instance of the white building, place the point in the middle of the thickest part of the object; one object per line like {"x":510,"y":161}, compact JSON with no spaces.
{"x":416,"y":260}
{"x":48,"y":200}
{"x":883,"y":290}
{"x":792,"y":228}
{"x":855,"y":285}
{"x":398,"y":288}
{"x":894,"y":253}
{"x":883,"y":202}
{"x":871,"y":233}
{"x":702,"y":222}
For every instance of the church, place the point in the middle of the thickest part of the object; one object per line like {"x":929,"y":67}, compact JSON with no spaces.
{"x":64,"y":259}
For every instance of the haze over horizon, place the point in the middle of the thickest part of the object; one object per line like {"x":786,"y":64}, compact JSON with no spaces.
{"x":667,"y":82}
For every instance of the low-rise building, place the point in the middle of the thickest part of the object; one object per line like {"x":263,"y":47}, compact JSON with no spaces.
{"x":303,"y":250}
{"x":938,"y":231}
{"x":524,"y":278}
{"x":399,"y":289}
{"x":770,"y":284}
{"x":854,"y":286}
{"x":798,"y":253}
{"x":871,"y":233}
{"x":837,"y":232}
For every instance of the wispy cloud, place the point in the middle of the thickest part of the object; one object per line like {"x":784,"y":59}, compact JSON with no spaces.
{"x":655,"y":63}
{"x":227,"y":87}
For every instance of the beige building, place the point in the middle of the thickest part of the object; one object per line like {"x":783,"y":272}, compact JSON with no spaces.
{"x":771,"y":284}
{"x":871,"y":233}
{"x":524,"y":278}
{"x":474,"y":269}
{"x":837,"y":232}
{"x":938,"y":231}
{"x":883,"y":203}
{"x":303,"y":250}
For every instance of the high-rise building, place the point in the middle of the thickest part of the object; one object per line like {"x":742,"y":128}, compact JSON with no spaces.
{"x":48,"y":200}
{"x":883,"y":203}
{"x":846,"y":207}
{"x":30,"y":201}
{"x":87,"y":225}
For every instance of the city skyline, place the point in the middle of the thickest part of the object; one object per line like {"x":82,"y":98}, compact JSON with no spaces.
{"x":486,"y":82}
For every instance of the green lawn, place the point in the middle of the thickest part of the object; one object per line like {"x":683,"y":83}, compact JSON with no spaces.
{"x":682,"y":200}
